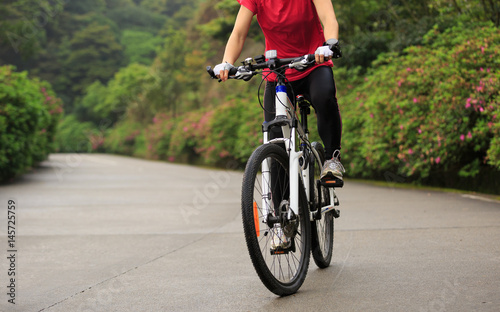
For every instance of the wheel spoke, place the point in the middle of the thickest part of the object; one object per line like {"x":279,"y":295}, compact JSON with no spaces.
{"x":282,"y":268}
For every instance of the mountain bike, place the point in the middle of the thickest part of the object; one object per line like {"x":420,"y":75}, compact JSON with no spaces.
{"x":287,"y":212}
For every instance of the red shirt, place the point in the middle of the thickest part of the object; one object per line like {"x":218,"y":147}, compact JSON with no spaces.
{"x":292,"y":27}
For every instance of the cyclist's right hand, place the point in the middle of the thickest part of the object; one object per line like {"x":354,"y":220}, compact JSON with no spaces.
{"x":222,"y":70}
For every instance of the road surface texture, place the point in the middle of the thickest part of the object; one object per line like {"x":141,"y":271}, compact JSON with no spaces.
{"x":111,"y":233}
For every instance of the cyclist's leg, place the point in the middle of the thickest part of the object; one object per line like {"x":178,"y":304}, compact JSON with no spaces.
{"x":270,"y":110}
{"x":322,"y":92}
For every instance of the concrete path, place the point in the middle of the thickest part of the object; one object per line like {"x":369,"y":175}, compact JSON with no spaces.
{"x":111,"y":233}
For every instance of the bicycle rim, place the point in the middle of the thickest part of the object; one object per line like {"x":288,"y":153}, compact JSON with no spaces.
{"x":282,"y":271}
{"x":322,"y":229}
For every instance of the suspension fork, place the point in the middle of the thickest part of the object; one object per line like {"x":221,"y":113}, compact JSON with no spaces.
{"x":266,"y":178}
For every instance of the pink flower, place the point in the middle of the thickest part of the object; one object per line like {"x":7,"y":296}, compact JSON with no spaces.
{"x":481,"y":109}
{"x":371,"y":115}
{"x":419,"y":131}
{"x":469,"y":135}
{"x":48,"y":98}
{"x":185,"y":129}
{"x":481,"y":69}
{"x":462,"y":137}
{"x":408,"y":69}
{"x":155,"y":119}
{"x":438,"y":160}
{"x":410,"y":151}
{"x":467,"y":103}
{"x":482,"y":50}
{"x":171,"y":158}
{"x":415,"y":100}
{"x":401,"y":127}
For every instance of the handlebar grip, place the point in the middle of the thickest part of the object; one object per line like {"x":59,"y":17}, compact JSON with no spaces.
{"x":311,"y":57}
{"x":211,"y":72}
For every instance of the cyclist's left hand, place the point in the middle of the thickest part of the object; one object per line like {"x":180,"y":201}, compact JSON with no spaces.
{"x":222,"y":70}
{"x":323,"y":54}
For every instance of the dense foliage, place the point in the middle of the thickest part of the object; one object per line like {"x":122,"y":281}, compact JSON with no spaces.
{"x":131,"y":75}
{"x":431,"y":113}
{"x":29,"y":112}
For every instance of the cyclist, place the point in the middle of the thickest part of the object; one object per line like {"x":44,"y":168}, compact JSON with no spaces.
{"x":295,"y":28}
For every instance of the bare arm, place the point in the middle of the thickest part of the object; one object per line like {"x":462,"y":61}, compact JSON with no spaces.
{"x":236,"y":41}
{"x":326,"y":14}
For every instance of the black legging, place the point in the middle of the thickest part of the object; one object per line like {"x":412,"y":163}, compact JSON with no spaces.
{"x":319,"y":89}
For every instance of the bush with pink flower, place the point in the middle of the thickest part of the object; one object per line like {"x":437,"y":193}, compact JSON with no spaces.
{"x":432,"y":112}
{"x":29,"y":113}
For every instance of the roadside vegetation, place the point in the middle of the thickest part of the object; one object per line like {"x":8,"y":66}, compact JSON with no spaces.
{"x":418,"y":85}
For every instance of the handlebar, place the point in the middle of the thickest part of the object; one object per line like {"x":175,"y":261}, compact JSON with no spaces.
{"x":253,"y":66}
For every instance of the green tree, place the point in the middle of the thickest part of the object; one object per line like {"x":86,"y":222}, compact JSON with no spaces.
{"x":140,"y":46}
{"x":22,"y":25}
{"x":123,"y":94}
{"x":95,"y":55}
{"x":137,"y":18}
{"x":170,"y":66}
{"x":167,"y":7}
{"x":85,"y":6}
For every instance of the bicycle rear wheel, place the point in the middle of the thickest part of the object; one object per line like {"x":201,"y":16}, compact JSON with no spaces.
{"x":265,"y":207}
{"x":322,"y":229}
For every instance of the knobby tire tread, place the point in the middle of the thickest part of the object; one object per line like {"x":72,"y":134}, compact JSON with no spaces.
{"x":321,"y":259}
{"x":252,"y":169}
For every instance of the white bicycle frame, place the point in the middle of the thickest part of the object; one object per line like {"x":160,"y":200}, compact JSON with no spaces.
{"x":284,"y":111}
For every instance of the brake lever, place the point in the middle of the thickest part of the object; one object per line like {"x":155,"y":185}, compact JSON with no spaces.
{"x":303,"y":62}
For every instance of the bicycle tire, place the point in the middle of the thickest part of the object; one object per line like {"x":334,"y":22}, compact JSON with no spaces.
{"x":282,"y":274}
{"x":322,"y":229}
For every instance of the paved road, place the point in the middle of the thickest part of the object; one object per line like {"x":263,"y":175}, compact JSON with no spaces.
{"x":111,"y":233}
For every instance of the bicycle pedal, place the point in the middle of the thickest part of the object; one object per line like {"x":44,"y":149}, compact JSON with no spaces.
{"x":283,"y":251}
{"x":332,"y":182}
{"x":280,"y":251}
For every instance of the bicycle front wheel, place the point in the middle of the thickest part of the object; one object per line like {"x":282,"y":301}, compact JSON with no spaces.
{"x":322,"y":226}
{"x":278,"y":241}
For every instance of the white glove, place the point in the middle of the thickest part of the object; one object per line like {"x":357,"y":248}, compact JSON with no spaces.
{"x":222,"y":66}
{"x":324,"y":50}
